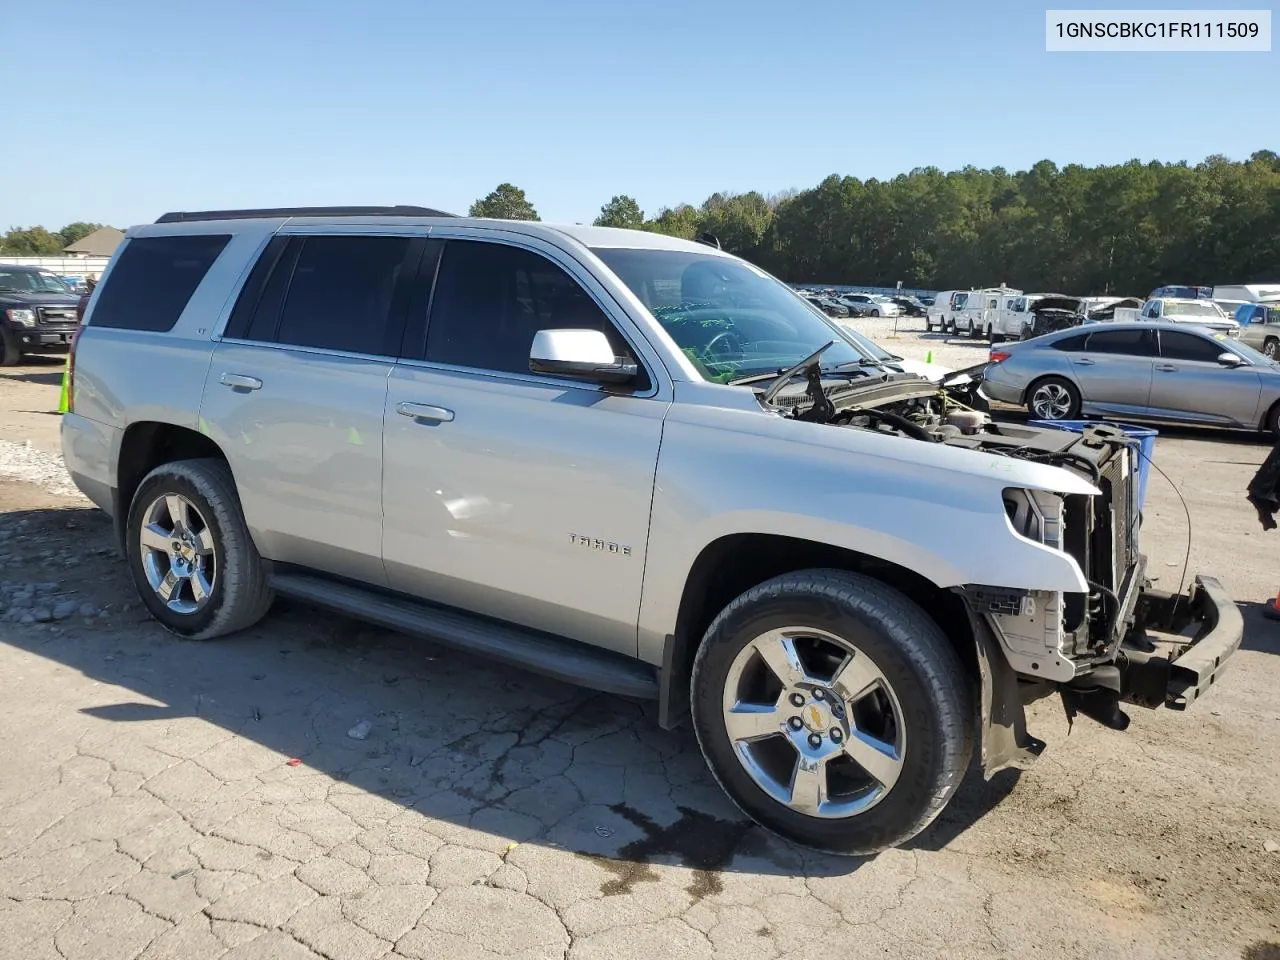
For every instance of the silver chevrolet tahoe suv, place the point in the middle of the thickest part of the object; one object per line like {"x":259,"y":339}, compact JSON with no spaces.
{"x":631,"y":462}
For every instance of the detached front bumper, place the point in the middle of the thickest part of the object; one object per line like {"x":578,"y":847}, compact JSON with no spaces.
{"x":1178,"y":679}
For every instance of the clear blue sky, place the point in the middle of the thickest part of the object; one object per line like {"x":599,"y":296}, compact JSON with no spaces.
{"x":140,"y":107}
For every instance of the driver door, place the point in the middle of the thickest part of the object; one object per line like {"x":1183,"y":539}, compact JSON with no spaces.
{"x":521,"y":496}
{"x":1190,"y":384}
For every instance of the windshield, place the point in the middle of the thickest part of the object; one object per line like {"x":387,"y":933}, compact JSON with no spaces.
{"x":1205,"y":309}
{"x":731,"y":319}
{"x":29,"y":281}
{"x":869,"y":347}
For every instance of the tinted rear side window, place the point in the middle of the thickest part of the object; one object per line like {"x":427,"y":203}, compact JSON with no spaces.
{"x":343,"y":291}
{"x":1135,"y":343}
{"x":150,"y":284}
{"x":1071,"y":344}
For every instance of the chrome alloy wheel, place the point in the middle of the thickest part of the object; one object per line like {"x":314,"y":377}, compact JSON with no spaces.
{"x":1051,"y":401}
{"x":178,"y":556}
{"x":814,"y":722}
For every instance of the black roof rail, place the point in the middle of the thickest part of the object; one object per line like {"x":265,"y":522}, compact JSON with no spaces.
{"x":182,"y":216}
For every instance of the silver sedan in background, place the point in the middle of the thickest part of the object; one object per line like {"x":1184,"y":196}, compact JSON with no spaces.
{"x":1139,"y":371}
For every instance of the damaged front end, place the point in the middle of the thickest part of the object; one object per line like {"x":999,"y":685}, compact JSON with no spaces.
{"x":1089,"y":644}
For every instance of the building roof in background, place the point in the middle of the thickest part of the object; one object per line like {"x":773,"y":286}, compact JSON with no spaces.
{"x":100,"y":243}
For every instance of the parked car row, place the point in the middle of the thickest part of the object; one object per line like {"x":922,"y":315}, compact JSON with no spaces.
{"x":1139,"y":370}
{"x":996,"y":314}
{"x":864,"y":304}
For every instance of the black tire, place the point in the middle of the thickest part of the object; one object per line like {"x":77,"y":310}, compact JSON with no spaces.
{"x":990,"y":337}
{"x":1271,"y":423}
{"x":1072,"y":411}
{"x":1270,"y":347}
{"x":239,"y":596}
{"x":973,"y":333}
{"x":10,"y":349}
{"x":936,"y":698}
{"x":928,"y":327}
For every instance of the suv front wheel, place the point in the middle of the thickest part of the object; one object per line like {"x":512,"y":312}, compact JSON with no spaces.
{"x":833,"y":711}
{"x":190,"y":554}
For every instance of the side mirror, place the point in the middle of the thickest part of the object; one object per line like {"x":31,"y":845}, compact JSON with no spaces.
{"x":1230,"y":359}
{"x":580,"y":354}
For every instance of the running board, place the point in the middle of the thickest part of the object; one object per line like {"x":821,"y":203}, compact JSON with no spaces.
{"x":543,"y":653}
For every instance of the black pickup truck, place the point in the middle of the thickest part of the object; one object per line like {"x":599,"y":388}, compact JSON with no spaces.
{"x":37,"y":313}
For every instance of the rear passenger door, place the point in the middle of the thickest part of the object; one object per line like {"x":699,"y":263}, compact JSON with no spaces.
{"x":517,"y":495}
{"x":295,"y":395}
{"x":1114,"y":371}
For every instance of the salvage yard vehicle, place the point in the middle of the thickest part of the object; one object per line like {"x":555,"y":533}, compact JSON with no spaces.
{"x":973,"y":312}
{"x":938,"y":315}
{"x":1013,"y":317}
{"x":832,"y":308}
{"x":1203,"y":313}
{"x":37,"y":313}
{"x":1260,"y":327}
{"x":1139,"y":371}
{"x":627,"y":461}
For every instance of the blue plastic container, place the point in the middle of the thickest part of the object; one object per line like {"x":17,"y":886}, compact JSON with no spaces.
{"x":1145,"y":436}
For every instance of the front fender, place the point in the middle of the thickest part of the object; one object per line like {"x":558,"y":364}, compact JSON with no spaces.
{"x":932,"y":509}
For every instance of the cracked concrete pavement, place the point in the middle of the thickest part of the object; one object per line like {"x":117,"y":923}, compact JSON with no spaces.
{"x":167,"y":799}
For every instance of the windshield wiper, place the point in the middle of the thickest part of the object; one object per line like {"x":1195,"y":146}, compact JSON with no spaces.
{"x":860,"y":362}
{"x":785,"y":377}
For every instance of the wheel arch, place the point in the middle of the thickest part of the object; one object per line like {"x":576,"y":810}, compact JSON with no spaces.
{"x":1026,"y":394}
{"x":733,"y":564}
{"x":1269,"y":417}
{"x":144,"y":446}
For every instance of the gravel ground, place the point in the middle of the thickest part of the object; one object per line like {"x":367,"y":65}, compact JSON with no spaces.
{"x":24,"y":461}
{"x":315,"y":788}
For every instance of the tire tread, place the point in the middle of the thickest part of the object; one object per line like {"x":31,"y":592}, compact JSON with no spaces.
{"x":918,"y":636}
{"x":246,"y":596}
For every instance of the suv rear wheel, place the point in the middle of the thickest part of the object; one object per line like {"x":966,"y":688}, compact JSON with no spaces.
{"x":190,"y":554}
{"x":833,"y":711}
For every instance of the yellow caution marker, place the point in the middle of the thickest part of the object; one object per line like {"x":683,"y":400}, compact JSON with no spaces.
{"x":64,"y":398}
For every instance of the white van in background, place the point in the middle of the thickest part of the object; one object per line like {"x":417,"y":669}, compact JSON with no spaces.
{"x":976,"y":315}
{"x":938,"y":316}
{"x":1248,"y":292}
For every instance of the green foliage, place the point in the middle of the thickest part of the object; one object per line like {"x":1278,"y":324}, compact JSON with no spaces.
{"x":621,"y":211}
{"x":681,"y":221}
{"x":1120,"y":229}
{"x":39,"y":242}
{"x":506,"y":202}
{"x":31,"y":242}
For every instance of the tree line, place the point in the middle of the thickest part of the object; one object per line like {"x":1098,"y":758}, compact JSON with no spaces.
{"x":39,"y":242}
{"x":1120,"y":229}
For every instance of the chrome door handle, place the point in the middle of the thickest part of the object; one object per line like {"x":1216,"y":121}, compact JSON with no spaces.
{"x":239,"y":382}
{"x":424,"y":411}
{"x":1085,"y":362}
{"x":1167,"y":367}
